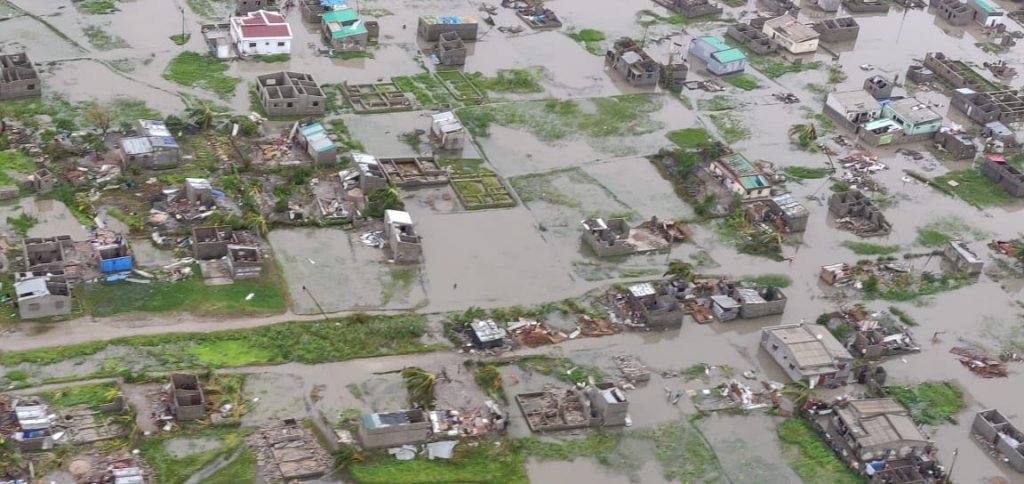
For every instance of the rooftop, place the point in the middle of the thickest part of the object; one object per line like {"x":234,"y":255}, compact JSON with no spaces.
{"x":790,"y":206}
{"x":398,"y":217}
{"x":811,"y":344}
{"x":729,"y":55}
{"x":858,"y":100}
{"x":715,"y":42}
{"x":913,"y":111}
{"x":448,"y":19}
{"x":343,"y":23}
{"x":791,"y":28}
{"x":879,"y":422}
{"x":262,"y":24}
{"x":446,"y":122}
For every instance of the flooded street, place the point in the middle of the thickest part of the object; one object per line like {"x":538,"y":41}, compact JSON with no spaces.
{"x":575,"y":148}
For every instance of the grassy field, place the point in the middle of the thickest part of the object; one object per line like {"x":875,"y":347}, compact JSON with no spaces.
{"x":742,"y":81}
{"x":868,"y":248}
{"x":242,"y":469}
{"x":729,"y":126}
{"x":169,"y":469}
{"x":96,"y":7}
{"x":556,"y":120}
{"x":201,"y":71}
{"x":689,"y":138}
{"x":974,"y":188}
{"x":516,"y":81}
{"x":930,"y":403}
{"x":592,"y":40}
{"x":769,"y":280}
{"x":93,"y":394}
{"x":805,"y":172}
{"x":101,"y":40}
{"x":191,"y":295}
{"x":936,"y":233}
{"x":810,"y":458}
{"x":17,"y":162}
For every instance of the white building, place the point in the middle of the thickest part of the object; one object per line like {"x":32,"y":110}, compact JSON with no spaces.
{"x":808,"y":352}
{"x":791,"y":35}
{"x":261,"y":33}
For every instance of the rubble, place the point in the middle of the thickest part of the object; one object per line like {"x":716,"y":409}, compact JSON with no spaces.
{"x":287,"y":451}
{"x":980,"y":363}
{"x":733,"y":394}
{"x":632,"y":368}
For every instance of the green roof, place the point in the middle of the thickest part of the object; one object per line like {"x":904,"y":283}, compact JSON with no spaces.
{"x":714,"y":42}
{"x":739,"y":164}
{"x":984,"y":6}
{"x":343,"y":23}
{"x":729,"y":55}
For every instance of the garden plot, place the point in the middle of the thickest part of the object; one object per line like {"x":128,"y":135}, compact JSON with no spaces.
{"x":341,"y":272}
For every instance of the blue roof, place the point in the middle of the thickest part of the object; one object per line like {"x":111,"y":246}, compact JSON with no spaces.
{"x":715,"y":42}
{"x":333,"y":3}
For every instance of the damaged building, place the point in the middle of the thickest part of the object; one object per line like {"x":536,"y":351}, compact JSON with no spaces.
{"x":632,"y":63}
{"x":998,"y":433}
{"x":876,"y":429}
{"x":42,"y":294}
{"x":752,"y":38}
{"x":212,"y":242}
{"x":791,"y":35}
{"x":614,"y":237}
{"x":555,"y":409}
{"x":841,"y":29}
{"x":734,"y":302}
{"x":866,"y":6}
{"x":33,"y":423}
{"x":855,"y":212}
{"x":691,"y":8}
{"x":404,"y":244}
{"x":380,"y":97}
{"x":808,"y":352}
{"x":287,"y":452}
{"x":187,"y":400}
{"x":719,"y":58}
{"x":244,"y":262}
{"x":431,"y":27}
{"x":537,"y":15}
{"x":451,"y":50}
{"x":986,"y":13}
{"x":486,"y":334}
{"x":878,"y":86}
{"x":956,"y":73}
{"x":609,"y":405}
{"x":447,"y":133}
{"x":414,"y":172}
{"x":958,"y":144}
{"x":314,"y":140}
{"x":954,"y":12}
{"x":781,"y":7}
{"x":996,"y":169}
{"x":290,"y":94}
{"x":850,"y":109}
{"x":962,"y":258}
{"x":371,"y":175}
{"x":114,"y":255}
{"x":154,"y":147}
{"x":875,"y":339}
{"x":51,"y":254}
{"x":741,"y":176}
{"x":782,"y":213}
{"x":393,"y":429}
{"x":1006,"y":106}
{"x":343,"y":31}
{"x":18,"y":77}
{"x":652,"y":305}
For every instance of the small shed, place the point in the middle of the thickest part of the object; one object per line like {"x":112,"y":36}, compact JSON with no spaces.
{"x":725,"y":307}
{"x":313,"y":138}
{"x":719,"y":57}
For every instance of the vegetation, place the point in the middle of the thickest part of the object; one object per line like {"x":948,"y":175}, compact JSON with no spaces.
{"x":271,"y":58}
{"x":774,"y":69}
{"x":930,"y":403}
{"x":742,"y":81}
{"x":689,"y":138}
{"x":96,"y":7}
{"x":241,"y":469}
{"x":208,"y":9}
{"x":729,"y":126}
{"x":716,"y":103}
{"x":518,"y":81}
{"x":201,"y":71}
{"x":489,"y":461}
{"x":556,"y":120}
{"x":804,"y":135}
{"x":22,"y":223}
{"x":173,"y":468}
{"x":810,"y":458}
{"x":15,"y":161}
{"x":591,"y":39}
{"x":682,"y":453}
{"x":420,"y":384}
{"x":868,"y":248}
{"x":973,"y":188}
{"x":939,"y":231}
{"x":735,"y":228}
{"x":907,"y":286}
{"x":647,"y":18}
{"x":190,"y":295}
{"x":101,"y":40}
{"x":382,"y":200}
{"x":836,"y":74}
{"x":488,"y":378}
{"x":902,"y":316}
{"x":92,"y":395}
{"x":426,"y":88}
{"x":180,"y":39}
{"x":769,"y":280}
{"x":805,"y":172}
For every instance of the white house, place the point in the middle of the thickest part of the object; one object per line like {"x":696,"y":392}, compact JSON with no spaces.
{"x":261,"y":33}
{"x":791,"y":34}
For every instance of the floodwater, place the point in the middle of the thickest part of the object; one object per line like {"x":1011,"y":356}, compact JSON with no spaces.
{"x":532,"y":253}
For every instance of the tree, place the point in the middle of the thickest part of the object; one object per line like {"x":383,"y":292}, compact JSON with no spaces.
{"x":257,"y":223}
{"x":805,"y":134}
{"x":101,"y":117}
{"x":383,"y":199}
{"x":800,"y":392}
{"x":680,"y":270}
{"x":420,"y":384}
{"x":204,"y":114}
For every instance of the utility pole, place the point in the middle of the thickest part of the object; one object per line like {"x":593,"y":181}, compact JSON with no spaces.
{"x":304,"y":288}
{"x":182,"y":24}
{"x":949,"y":475}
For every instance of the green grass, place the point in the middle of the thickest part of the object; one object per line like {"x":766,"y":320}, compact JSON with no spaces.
{"x":689,"y":138}
{"x":557,"y":120}
{"x":168,"y":469}
{"x":203,"y":72}
{"x":647,"y":18}
{"x":490,"y":461}
{"x":867,"y":248}
{"x":93,"y":395}
{"x":561,"y":368}
{"x":836,"y":74}
{"x":682,"y":453}
{"x":591,"y":39}
{"x":902,"y":316}
{"x":768,"y":280}
{"x":463,"y":165}
{"x":939,"y":231}
{"x":180,"y":39}
{"x":974,"y":188}
{"x":517,"y":81}
{"x":101,"y":40}
{"x":805,"y":172}
{"x":96,"y":7}
{"x":488,"y":378}
{"x":341,"y":339}
{"x":718,"y":102}
{"x":428,"y":90}
{"x":209,"y":9}
{"x":930,"y":403}
{"x":810,"y":458}
{"x":271,"y":58}
{"x":774,"y":68}
{"x":742,"y":81}
{"x":22,"y":223}
{"x":240,"y":470}
{"x":15,"y":161}
{"x":190,"y":295}
{"x":729,"y":126}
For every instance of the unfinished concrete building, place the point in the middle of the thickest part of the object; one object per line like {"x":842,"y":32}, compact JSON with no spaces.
{"x":866,"y":6}
{"x":414,"y":172}
{"x":380,"y":97}
{"x":243,"y":7}
{"x":956,"y":73}
{"x":371,"y":175}
{"x":842,"y":29}
{"x":18,"y":78}
{"x":212,"y":242}
{"x":691,"y":8}
{"x":782,"y":213}
{"x":609,"y":405}
{"x":43,"y":181}
{"x":919,"y":74}
{"x":311,"y":10}
{"x":404,"y":243}
{"x":244,"y":262}
{"x":760,"y":302}
{"x":187,"y":400}
{"x":393,"y":429}
{"x":34,"y":431}
{"x":1000,"y":434}
{"x":1001,"y":173}
{"x":555,"y":409}
{"x":290,"y":94}
{"x":781,"y":7}
{"x":958,"y":144}
{"x":114,"y":255}
{"x":42,"y":294}
{"x":287,"y":451}
{"x":752,"y":38}
{"x":1006,"y":106}
{"x":854,"y":211}
{"x":431,"y":27}
{"x":962,"y":258}
{"x":673,"y":76}
{"x":152,"y":152}
{"x":653,"y":306}
{"x":607,"y":238}
{"x":632,"y":63}
{"x":447,"y":133}
{"x":538,"y":16}
{"x":451,"y":50}
{"x":878,"y":86}
{"x":49,"y":254}
{"x":954,"y":12}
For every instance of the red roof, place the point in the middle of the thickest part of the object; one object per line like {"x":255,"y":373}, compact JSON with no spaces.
{"x":263,"y":24}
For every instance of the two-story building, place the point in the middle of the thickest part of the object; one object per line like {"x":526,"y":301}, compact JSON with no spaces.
{"x":740,"y":176}
{"x":808,"y":352}
{"x":261,"y":33}
{"x":791,"y":35}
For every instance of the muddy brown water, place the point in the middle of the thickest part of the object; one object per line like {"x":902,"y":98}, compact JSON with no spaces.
{"x":502,"y":258}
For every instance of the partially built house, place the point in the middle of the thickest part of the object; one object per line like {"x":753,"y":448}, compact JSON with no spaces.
{"x":954,"y":12}
{"x":394,"y":429}
{"x":878,"y":86}
{"x":42,"y":294}
{"x":956,"y":73}
{"x":781,"y":7}
{"x":431,"y":27}
{"x":866,"y":6}
{"x":996,"y":168}
{"x":311,"y":10}
{"x":187,"y":400}
{"x":843,"y":29}
{"x":998,"y":433}
{"x":114,"y":256}
{"x":403,"y":242}
{"x":614,"y":237}
{"x":290,"y":94}
{"x":371,"y":175}
{"x":34,"y":431}
{"x":958,"y":144}
{"x":414,"y":171}
{"x":782,"y":213}
{"x":691,"y":8}
{"x":451,"y":50}
{"x":874,"y":340}
{"x":538,"y":16}
{"x":609,"y":405}
{"x":49,"y":254}
{"x":244,"y":262}
{"x":18,"y":78}
{"x":447,"y":133}
{"x":855,"y":212}
{"x":920,"y":74}
{"x":752,"y":38}
{"x":653,"y":305}
{"x":555,"y":409}
{"x":1006,"y":106}
{"x":379,"y":97}
{"x":212,"y":242}
{"x":632,"y":63}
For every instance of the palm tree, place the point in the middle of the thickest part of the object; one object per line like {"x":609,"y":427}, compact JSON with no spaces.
{"x":680,"y":270}
{"x":203,"y":114}
{"x":805,"y":134}
{"x":257,"y":223}
{"x":420,"y":384}
{"x":800,"y":392}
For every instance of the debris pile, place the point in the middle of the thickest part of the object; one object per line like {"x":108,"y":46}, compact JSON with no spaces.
{"x":287,"y":451}
{"x":554,"y":408}
{"x":632,"y":368}
{"x":980,"y":363}
{"x":531,"y":333}
{"x":736,"y":395}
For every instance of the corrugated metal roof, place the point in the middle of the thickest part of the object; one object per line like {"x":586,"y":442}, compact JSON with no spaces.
{"x":448,"y":19}
{"x":136,"y":146}
{"x":715,"y":42}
